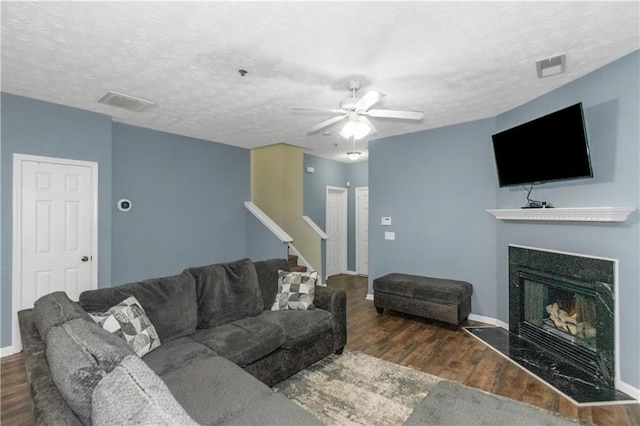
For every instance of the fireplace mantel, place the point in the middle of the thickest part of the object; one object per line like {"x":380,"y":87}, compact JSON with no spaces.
{"x":574,"y":214}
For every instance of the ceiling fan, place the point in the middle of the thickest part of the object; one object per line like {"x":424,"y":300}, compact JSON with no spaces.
{"x":355,"y":110}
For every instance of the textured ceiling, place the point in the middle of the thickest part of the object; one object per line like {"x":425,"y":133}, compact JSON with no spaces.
{"x":456,"y":61}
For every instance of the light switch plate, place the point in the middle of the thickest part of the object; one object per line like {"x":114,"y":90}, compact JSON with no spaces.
{"x":386,"y":221}
{"x":389,"y":235}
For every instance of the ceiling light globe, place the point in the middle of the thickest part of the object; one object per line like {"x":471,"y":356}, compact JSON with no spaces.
{"x":355,"y":129}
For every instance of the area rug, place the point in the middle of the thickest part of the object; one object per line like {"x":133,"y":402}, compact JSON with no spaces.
{"x":453,"y":404}
{"x":358,"y":389}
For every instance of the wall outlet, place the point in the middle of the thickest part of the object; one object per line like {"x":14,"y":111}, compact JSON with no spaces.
{"x":389,"y":235}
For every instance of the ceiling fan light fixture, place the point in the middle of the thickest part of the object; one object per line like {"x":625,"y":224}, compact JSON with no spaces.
{"x":354,"y":155}
{"x":355,"y":129}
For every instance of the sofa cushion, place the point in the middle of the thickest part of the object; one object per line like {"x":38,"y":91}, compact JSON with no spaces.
{"x":80,"y":353}
{"x":213,"y":389}
{"x":133,"y":394}
{"x":54,"y":309}
{"x":175,"y":354}
{"x":267,"y":271}
{"x":169,"y":302}
{"x":128,"y":321}
{"x":299,"y":326}
{"x":276,"y":409}
{"x":243,"y":341}
{"x":295,"y":290}
{"x":226,"y":292}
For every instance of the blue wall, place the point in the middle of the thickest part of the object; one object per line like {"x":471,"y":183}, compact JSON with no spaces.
{"x":41,"y":128}
{"x":261,"y":243}
{"x":333,"y":173}
{"x":436,"y":185}
{"x":610,"y":101}
{"x":187,"y":197}
{"x":187,"y":193}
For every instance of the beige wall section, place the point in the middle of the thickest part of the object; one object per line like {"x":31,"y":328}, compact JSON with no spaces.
{"x":276,"y":188}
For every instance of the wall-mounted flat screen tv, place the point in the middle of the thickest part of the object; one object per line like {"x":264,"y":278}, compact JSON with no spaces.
{"x":550,"y":148}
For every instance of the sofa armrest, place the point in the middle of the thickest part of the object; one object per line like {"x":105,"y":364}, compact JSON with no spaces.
{"x":334,"y":301}
{"x":32,"y":343}
{"x":49,"y":407}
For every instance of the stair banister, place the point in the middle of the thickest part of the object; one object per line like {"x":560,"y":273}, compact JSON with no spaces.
{"x":268,"y":222}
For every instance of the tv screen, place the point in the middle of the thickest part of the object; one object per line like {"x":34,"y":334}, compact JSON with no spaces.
{"x":550,"y":148}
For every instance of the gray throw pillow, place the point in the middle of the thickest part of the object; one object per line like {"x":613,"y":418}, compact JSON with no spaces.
{"x":132,"y":394}
{"x":226,"y":292}
{"x":80,"y":354}
{"x":296,"y":290}
{"x":128,"y":321}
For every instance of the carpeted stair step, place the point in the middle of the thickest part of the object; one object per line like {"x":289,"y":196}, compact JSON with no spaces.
{"x":293,"y":264}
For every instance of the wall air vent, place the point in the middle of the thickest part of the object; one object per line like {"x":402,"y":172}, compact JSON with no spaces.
{"x":125,"y":101}
{"x":551,"y":66}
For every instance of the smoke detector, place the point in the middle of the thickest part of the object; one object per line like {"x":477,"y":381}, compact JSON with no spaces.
{"x":127,"y":102}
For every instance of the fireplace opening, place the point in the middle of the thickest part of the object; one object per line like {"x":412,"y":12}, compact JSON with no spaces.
{"x":564,"y":312}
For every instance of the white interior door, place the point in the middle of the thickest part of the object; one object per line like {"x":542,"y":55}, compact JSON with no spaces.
{"x":55,"y":222}
{"x":362,"y":231}
{"x":336,"y":230}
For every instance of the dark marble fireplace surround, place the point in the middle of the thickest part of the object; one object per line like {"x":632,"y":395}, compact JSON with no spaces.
{"x":538,"y":279}
{"x":575,"y":354}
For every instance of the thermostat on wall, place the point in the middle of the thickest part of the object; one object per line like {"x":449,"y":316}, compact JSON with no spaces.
{"x":124,"y":205}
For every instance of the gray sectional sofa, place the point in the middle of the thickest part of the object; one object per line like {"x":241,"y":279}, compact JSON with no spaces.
{"x":220,"y":349}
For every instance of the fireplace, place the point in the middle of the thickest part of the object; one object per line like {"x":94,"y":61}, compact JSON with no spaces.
{"x":565,"y":304}
{"x":562,"y":324}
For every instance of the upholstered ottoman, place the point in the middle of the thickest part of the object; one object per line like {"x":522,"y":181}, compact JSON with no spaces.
{"x":434,"y":298}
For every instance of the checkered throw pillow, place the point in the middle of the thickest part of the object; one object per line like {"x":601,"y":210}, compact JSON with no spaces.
{"x":295,"y":290}
{"x":128,"y":320}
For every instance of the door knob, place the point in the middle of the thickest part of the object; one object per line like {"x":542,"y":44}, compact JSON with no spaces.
{"x":84,"y":258}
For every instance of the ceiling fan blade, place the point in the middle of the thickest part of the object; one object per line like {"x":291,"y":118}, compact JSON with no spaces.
{"x":368,"y":100}
{"x":326,"y":123}
{"x":389,"y":113}
{"x":366,"y":120}
{"x":334,"y":111}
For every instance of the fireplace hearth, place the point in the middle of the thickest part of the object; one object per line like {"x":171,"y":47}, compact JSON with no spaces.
{"x":561,"y":322}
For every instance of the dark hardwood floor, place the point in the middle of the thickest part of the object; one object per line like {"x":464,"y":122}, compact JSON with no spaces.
{"x":434,"y":348}
{"x":15,"y":397}
{"x":415,"y":342}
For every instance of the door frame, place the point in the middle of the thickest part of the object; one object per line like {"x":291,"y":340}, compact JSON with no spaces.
{"x":357,"y":233}
{"x":16,"y":257}
{"x":344,"y":193}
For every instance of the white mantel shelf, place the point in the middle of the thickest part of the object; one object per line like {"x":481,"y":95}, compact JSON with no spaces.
{"x":573,"y":214}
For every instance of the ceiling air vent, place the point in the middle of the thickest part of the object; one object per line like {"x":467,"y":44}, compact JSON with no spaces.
{"x":551,"y":66}
{"x":125,"y":101}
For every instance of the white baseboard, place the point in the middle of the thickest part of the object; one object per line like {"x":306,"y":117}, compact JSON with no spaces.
{"x":628,"y":389}
{"x":369,"y":296}
{"x":489,"y":320}
{"x":9,"y":350}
